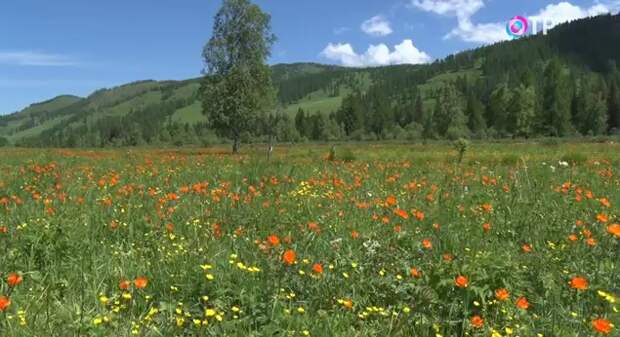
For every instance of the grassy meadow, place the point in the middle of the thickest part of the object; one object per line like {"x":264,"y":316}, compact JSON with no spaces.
{"x":381,"y":240}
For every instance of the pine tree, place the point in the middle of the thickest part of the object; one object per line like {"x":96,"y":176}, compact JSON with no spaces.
{"x":556,"y":100}
{"x":498,"y":113}
{"x":613,"y":105}
{"x":523,"y":111}
{"x":475,"y":113}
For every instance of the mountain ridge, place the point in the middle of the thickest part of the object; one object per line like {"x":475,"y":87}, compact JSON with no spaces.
{"x":584,"y":47}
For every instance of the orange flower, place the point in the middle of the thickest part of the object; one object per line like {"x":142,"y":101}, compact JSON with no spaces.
{"x":487,"y":208}
{"x":355,"y":234}
{"x":415,"y":272}
{"x":614,"y":230}
{"x":347,"y":304}
{"x":289,"y":257}
{"x":124,"y":285}
{"x":391,"y":200}
{"x":526,"y":248}
{"x":602,"y":325}
{"x":502,"y":294}
{"x":591,"y":242}
{"x":579,"y":283}
{"x":317,"y":268}
{"x":461,"y":281}
{"x":605,"y":202}
{"x":5,"y":302}
{"x":273,"y":240}
{"x":14,"y":279}
{"x":522,"y":303}
{"x":486,"y":227}
{"x":426,"y":243}
{"x":603,"y":218}
{"x":447,"y":257}
{"x":141,"y":282}
{"x":573,"y":237}
{"x":477,"y":322}
{"x":401,"y":213}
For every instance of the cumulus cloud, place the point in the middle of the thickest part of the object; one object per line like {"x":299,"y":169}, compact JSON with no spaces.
{"x":31,"y":58}
{"x":486,"y":33}
{"x":377,"y":26}
{"x":376,"y":55}
{"x":459,"y":8}
{"x":556,"y":14}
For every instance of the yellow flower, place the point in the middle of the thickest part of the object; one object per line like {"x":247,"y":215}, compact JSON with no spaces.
{"x":496,"y":334}
{"x":104,"y":299}
{"x":301,"y":310}
{"x":97,"y":321}
{"x":306,"y":333}
{"x":210,"y":277}
{"x":209,"y":312}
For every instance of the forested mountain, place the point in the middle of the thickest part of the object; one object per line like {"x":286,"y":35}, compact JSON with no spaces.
{"x":565,"y":83}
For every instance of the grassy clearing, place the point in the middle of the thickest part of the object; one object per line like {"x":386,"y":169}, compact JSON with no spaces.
{"x":397,"y":240}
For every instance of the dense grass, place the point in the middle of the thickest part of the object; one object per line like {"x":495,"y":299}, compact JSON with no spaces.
{"x":201,"y":226}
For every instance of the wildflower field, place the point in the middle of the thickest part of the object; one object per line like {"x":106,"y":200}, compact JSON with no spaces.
{"x":385,"y":240}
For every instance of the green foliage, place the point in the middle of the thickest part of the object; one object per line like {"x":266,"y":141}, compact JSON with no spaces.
{"x":556,"y":114}
{"x":237,"y":88}
{"x":523,"y":111}
{"x":460,"y":145}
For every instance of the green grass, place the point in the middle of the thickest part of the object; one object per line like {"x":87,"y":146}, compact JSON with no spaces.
{"x":191,"y":114}
{"x":201,"y":226}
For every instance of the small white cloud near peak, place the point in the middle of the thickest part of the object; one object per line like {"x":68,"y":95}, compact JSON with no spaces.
{"x":377,"y":26}
{"x":376,"y":55}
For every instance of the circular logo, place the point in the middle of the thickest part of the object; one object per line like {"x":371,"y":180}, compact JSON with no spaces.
{"x":517,"y":27}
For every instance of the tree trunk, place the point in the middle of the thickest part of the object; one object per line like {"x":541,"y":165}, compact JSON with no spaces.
{"x":270,"y":150}
{"x":236,"y":144}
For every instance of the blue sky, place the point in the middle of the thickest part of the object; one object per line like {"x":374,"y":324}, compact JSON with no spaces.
{"x":48,"y":48}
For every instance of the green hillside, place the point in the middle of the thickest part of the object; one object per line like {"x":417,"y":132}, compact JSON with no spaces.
{"x":496,"y":91}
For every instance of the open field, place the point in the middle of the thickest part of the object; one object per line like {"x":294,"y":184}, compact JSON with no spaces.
{"x":387,"y":240}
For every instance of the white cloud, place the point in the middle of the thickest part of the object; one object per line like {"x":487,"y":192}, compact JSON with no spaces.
{"x":458,"y":8}
{"x":376,"y":55}
{"x":556,"y":14}
{"x":31,"y":58}
{"x":377,"y":26}
{"x":486,"y":33}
